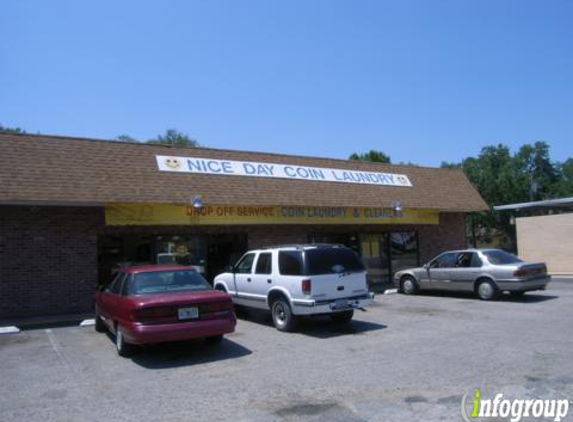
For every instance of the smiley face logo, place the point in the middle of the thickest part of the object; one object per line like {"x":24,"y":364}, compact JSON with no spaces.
{"x":173,"y":163}
{"x":402,"y":180}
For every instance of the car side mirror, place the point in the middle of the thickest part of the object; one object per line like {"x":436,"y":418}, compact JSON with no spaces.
{"x":229,"y":269}
{"x":426,"y":265}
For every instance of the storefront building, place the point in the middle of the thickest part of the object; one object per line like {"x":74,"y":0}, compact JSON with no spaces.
{"x":73,"y":210}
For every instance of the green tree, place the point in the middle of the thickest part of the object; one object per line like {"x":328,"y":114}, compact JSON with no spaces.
{"x":11,"y":129}
{"x":373,"y":156}
{"x":125,"y":138}
{"x":503,"y":178}
{"x":174,"y":138}
{"x":447,"y":165}
{"x":493,"y":173}
{"x":537,"y":175}
{"x":563,"y":188}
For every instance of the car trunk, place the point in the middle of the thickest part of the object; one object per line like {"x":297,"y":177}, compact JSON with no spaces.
{"x":528,"y":271}
{"x":180,"y":306}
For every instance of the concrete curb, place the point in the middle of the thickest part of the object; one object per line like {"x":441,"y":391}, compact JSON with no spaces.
{"x":49,"y":321}
{"x":9,"y":330}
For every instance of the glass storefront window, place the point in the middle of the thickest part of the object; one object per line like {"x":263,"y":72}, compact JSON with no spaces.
{"x":404,"y":250}
{"x":181,"y":250}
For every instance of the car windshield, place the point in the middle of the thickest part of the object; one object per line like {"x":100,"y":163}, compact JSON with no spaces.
{"x":332,"y":261}
{"x":167,"y":281}
{"x":499,"y":257}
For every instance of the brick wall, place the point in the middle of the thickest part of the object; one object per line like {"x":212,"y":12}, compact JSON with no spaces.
{"x":48,"y":255}
{"x":449,"y":234}
{"x":48,"y":259}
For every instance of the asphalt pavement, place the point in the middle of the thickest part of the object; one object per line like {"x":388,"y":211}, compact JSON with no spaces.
{"x":406,"y":358}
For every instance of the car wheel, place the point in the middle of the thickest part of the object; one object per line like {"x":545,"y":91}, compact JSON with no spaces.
{"x":99,"y":324}
{"x":283,"y":319}
{"x":408,"y":285}
{"x":342,"y":317}
{"x":123,"y":349}
{"x":214,"y":339}
{"x":486,"y":290}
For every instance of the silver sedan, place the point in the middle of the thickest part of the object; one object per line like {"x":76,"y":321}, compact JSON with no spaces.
{"x":486,"y":272}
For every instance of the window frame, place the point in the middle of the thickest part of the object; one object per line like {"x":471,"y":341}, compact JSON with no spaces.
{"x":269,"y":264}
{"x":243,"y":258}
{"x":119,"y":279}
{"x":302,"y":262}
{"x":439,"y":257}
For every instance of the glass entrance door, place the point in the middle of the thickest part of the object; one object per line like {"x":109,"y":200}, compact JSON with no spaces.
{"x":374,"y":251}
{"x":404,"y":250}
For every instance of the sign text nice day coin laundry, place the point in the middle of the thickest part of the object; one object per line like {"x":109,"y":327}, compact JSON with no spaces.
{"x":281,"y":171}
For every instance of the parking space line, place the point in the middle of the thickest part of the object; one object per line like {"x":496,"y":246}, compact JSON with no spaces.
{"x":56,"y":348}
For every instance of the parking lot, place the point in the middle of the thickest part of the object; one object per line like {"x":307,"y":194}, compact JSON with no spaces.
{"x":407,"y":358}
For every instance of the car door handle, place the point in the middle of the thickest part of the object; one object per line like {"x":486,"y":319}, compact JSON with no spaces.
{"x":249,"y":279}
{"x":269,"y":281}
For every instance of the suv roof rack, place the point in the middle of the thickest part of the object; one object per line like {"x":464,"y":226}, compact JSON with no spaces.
{"x":306,"y":245}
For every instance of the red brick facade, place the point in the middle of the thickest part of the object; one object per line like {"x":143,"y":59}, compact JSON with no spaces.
{"x":48,"y":259}
{"x":48,"y":255}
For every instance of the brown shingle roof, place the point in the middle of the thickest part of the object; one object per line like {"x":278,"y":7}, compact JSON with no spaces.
{"x":61,"y":170}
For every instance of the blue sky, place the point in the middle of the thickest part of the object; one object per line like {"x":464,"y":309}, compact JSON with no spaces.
{"x":424,"y":81}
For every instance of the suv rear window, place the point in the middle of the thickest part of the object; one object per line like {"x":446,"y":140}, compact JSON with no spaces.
{"x":332,"y":261}
{"x":290,"y":263}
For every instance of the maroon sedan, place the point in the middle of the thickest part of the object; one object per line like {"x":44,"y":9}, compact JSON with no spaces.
{"x":161,"y":303}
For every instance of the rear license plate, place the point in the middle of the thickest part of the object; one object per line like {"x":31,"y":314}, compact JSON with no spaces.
{"x":339,"y":304}
{"x":188,"y":313}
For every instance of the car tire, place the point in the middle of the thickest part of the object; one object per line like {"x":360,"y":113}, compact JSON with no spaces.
{"x":283,"y":318}
{"x":99,"y":324}
{"x":123,"y":349}
{"x":342,"y":317}
{"x":408,"y":285}
{"x":487,"y":290}
{"x":214,"y":339}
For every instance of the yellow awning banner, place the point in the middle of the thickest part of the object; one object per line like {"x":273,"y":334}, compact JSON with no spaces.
{"x":122,"y":214}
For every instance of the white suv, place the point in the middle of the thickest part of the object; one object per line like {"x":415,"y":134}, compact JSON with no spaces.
{"x":299,"y":280}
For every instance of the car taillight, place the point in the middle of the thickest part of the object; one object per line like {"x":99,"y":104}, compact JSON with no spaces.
{"x":306,"y":286}
{"x":531,"y":271}
{"x":146,"y":314}
{"x":218,"y":307}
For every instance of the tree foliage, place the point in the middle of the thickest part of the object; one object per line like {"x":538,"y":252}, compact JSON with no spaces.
{"x":505,"y":178}
{"x":125,"y":138}
{"x":11,"y":129}
{"x":372,"y":155}
{"x":174,"y":138}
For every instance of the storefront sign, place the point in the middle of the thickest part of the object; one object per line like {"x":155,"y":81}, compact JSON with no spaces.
{"x":281,"y":171}
{"x":170,"y":214}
